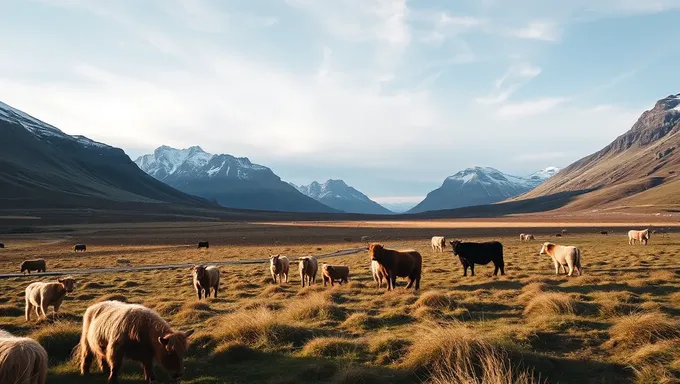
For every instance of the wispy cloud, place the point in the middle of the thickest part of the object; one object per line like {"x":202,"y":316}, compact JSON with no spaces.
{"x":538,"y":30}
{"x":511,"y":81}
{"x":530,"y":108}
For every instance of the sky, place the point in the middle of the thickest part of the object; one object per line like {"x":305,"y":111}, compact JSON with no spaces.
{"x":391,"y":96}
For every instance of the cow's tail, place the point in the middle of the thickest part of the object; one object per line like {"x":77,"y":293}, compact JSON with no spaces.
{"x":578,"y":261}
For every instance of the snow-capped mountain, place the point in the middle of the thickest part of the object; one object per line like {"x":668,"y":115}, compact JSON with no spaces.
{"x":233,"y":182}
{"x":478,"y":186}
{"x":337,"y":194}
{"x":43,"y":167}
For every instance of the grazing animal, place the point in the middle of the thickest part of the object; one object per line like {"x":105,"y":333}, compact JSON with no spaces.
{"x":379,"y":273}
{"x":279,"y":266}
{"x":33,"y":265}
{"x":521,"y":236}
{"x":2,"y":245}
{"x":22,"y":360}
{"x":438,"y":243}
{"x":529,"y":237}
{"x":206,"y":278}
{"x":79,"y":248}
{"x":558,"y":235}
{"x":406,"y":263}
{"x":308,"y":269}
{"x":203,"y":244}
{"x":113,"y":331}
{"x":470,"y":254}
{"x":604,"y":233}
{"x":641,"y":236}
{"x":365,"y":238}
{"x":563,"y":257}
{"x":40,"y":296}
{"x":333,"y":273}
{"x":564,"y":231}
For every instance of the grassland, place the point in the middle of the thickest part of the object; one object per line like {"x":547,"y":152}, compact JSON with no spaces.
{"x":615,"y":324}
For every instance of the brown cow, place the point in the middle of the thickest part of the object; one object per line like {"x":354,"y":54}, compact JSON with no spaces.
{"x":22,"y":360}
{"x":113,"y":330}
{"x":279,"y":266}
{"x":205,"y":279}
{"x":333,"y":273}
{"x":42,"y":295}
{"x":308,"y":267}
{"x":34,"y":265}
{"x":406,"y":263}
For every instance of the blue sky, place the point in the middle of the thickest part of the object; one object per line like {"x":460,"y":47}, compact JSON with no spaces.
{"x":390,"y":95}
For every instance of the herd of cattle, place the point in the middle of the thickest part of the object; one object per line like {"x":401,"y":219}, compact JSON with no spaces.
{"x":113,"y":330}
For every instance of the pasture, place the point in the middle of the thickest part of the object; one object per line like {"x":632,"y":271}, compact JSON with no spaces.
{"x":617,"y":323}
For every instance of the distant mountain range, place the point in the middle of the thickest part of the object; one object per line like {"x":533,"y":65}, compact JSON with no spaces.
{"x":479,"y":186}
{"x":638,"y":169}
{"x":42,"y":167}
{"x":232,"y":182}
{"x":337,"y":194}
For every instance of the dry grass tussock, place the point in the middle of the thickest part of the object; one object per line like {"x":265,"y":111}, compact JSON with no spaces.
{"x":530,"y":290}
{"x":334,"y":347}
{"x":642,"y":328}
{"x":435,"y":300}
{"x":663,"y":353}
{"x":58,"y":339}
{"x":549,"y":305}
{"x":459,"y":355}
{"x":314,"y":307}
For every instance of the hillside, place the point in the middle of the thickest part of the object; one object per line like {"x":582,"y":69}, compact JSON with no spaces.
{"x":479,"y":186}
{"x":337,"y":194}
{"x":42,"y":167}
{"x":639,"y":167}
{"x":233,"y":182}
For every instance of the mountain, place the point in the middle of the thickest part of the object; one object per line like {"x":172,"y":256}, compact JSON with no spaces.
{"x":638,"y":168}
{"x":479,"y":186}
{"x":399,"y":207}
{"x":336,"y":194}
{"x":42,"y":167}
{"x":230,"y":181}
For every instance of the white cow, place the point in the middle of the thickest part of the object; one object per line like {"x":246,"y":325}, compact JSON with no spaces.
{"x":563,"y":257}
{"x":438,"y":243}
{"x":641,"y":236}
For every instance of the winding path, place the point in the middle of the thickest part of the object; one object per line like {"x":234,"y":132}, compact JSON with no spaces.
{"x":159,"y":267}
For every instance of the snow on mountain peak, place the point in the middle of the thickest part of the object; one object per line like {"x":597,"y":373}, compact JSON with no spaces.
{"x":489,"y":176}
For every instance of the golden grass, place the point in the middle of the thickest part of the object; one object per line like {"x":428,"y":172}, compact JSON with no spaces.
{"x":315,"y":307}
{"x":333,"y":347}
{"x":550,"y":305}
{"x":643,"y":328}
{"x":58,"y":339}
{"x":435,"y":300}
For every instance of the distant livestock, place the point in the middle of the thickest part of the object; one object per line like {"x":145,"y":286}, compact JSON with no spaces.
{"x":526,"y":237}
{"x":279,"y":266}
{"x":406,"y":263}
{"x":113,"y":331}
{"x":564,"y":231}
{"x":379,"y":273}
{"x":641,"y":236}
{"x":33,"y":265}
{"x":40,"y":296}
{"x":203,"y":244}
{"x":22,"y":360}
{"x":438,"y":243}
{"x":2,"y":245}
{"x":79,"y":248}
{"x":604,"y":233}
{"x":558,"y":235}
{"x":333,"y":273}
{"x":308,"y":267}
{"x":563,"y":257}
{"x":470,"y":254}
{"x":205,"y":279}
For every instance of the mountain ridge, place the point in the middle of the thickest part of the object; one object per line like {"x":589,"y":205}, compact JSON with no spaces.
{"x":338,"y":195}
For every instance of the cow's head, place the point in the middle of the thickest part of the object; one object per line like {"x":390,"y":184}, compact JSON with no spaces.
{"x":198,"y":271}
{"x":23,"y":266}
{"x":274,"y":260}
{"x":67,"y":283}
{"x":454,"y":245}
{"x":175,"y":347}
{"x":443,"y":242}
{"x":375,"y":251}
{"x":547,"y":248}
{"x":304,"y":263}
{"x":329,"y":268}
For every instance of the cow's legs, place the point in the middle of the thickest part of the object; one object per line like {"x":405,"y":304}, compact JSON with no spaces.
{"x":571,"y":268}
{"x":502,"y":267}
{"x":465,"y":267}
{"x":472,"y":269}
{"x":557,"y":268}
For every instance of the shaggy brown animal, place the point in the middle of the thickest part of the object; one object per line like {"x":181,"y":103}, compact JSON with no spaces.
{"x":22,"y":360}
{"x":406,"y":263}
{"x":333,"y":273}
{"x":79,"y":248}
{"x":206,"y":278}
{"x":279,"y":266}
{"x":113,"y":330}
{"x":379,"y":273}
{"x":40,"y":296}
{"x":34,"y":265}
{"x":308,"y":268}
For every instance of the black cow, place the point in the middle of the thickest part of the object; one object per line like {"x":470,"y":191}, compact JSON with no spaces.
{"x":604,"y":232}
{"x":2,"y":245}
{"x":470,"y":254}
{"x":79,"y":248}
{"x":203,"y":244}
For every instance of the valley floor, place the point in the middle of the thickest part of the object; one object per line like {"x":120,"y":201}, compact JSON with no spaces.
{"x":615,"y":324}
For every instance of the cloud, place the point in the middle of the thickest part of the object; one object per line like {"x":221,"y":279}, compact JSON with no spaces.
{"x":530,"y":108}
{"x":512,"y":80}
{"x":538,"y":30}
